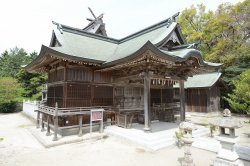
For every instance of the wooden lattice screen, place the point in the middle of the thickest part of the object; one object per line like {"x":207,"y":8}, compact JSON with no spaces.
{"x":55,"y":94}
{"x":103,"y":96}
{"x":78,"y":95}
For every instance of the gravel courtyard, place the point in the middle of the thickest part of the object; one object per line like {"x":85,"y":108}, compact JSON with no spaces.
{"x":18,"y":147}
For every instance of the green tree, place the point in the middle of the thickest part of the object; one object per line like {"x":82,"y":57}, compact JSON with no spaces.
{"x":239,"y":99}
{"x":12,"y":61}
{"x":12,"y":65}
{"x":32,"y":83}
{"x":223,"y":36}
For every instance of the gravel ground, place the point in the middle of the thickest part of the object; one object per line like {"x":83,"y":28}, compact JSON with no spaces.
{"x":20,"y":148}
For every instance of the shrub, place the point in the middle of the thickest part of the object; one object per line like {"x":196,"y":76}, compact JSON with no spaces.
{"x":10,"y":94}
{"x":8,"y":107}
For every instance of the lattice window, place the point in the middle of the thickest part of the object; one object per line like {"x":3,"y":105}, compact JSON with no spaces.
{"x":79,"y":91}
{"x":55,"y":94}
{"x":103,"y":95}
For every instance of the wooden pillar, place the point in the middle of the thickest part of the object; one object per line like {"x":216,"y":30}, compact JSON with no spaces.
{"x":80,"y":126}
{"x":65,"y":87}
{"x":48,"y":127}
{"x":38,"y":119}
{"x":55,"y":123}
{"x":182,"y":100}
{"x":147,"y":108}
{"x":42,"y":123}
{"x":208,"y":92}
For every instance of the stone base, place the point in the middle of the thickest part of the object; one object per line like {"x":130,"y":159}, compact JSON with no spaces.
{"x":222,"y":162}
{"x":227,"y":155}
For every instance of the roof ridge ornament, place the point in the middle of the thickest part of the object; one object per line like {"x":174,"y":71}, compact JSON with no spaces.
{"x":59,"y":26}
{"x":172,"y":19}
{"x":96,"y":25}
{"x":193,"y":45}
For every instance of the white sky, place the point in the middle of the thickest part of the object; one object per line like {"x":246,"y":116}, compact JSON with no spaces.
{"x":28,"y":23}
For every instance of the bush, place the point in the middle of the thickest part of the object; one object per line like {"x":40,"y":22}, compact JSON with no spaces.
{"x":8,"y":107}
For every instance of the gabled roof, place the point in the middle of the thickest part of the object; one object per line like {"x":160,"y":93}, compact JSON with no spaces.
{"x":206,"y":80}
{"x":80,"y":45}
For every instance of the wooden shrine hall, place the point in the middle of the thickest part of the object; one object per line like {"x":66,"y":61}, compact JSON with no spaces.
{"x":129,"y":76}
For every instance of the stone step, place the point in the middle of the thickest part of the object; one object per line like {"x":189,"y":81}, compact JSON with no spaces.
{"x":209,"y":144}
{"x":148,"y":140}
{"x":155,"y":140}
{"x":200,"y":132}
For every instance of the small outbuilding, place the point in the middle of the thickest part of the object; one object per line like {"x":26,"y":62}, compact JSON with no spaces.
{"x":202,"y":92}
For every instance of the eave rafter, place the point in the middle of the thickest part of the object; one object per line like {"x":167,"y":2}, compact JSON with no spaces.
{"x":50,"y":60}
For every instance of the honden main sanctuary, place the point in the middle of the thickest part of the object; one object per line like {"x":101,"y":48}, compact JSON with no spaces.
{"x":152,"y":74}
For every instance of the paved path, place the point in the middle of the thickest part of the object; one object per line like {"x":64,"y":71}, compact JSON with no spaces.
{"x":19,"y":148}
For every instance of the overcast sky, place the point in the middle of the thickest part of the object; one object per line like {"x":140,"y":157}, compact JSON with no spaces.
{"x":28,"y":23}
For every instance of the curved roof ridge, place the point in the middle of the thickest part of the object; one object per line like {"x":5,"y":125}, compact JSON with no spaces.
{"x":167,"y":22}
{"x":85,"y":33}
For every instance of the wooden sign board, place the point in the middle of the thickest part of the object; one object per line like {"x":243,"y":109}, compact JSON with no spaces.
{"x":96,"y":115}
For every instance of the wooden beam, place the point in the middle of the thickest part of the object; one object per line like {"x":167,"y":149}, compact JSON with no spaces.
{"x":125,"y":78}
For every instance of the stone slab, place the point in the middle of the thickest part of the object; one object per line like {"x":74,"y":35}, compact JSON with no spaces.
{"x":243,"y":151}
{"x":47,"y":142}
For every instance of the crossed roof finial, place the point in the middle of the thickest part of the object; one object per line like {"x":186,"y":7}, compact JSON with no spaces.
{"x":95,"y":18}
{"x":96,"y":25}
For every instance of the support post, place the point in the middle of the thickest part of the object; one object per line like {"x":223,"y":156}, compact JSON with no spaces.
{"x":38,"y":119}
{"x":182,"y":100}
{"x":147,"y":108}
{"x":55,"y":123}
{"x":101,"y":125}
{"x":42,"y":123}
{"x":80,"y":126}
{"x":48,"y":127}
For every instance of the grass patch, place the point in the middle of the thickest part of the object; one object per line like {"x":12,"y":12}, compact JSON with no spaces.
{"x":1,"y":139}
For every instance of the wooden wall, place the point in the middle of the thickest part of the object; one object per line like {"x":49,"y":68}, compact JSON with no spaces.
{"x":203,"y":99}
{"x":162,"y":95}
{"x":196,"y":100}
{"x":79,"y":87}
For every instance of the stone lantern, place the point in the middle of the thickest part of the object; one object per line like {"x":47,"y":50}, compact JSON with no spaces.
{"x":187,"y":139}
{"x":227,"y":155}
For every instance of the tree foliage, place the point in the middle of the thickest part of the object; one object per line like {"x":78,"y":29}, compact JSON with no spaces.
{"x":32,"y":83}
{"x":239,"y":99}
{"x":10,"y":94}
{"x":223,"y":36}
{"x":12,"y":61}
{"x":12,"y":65}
